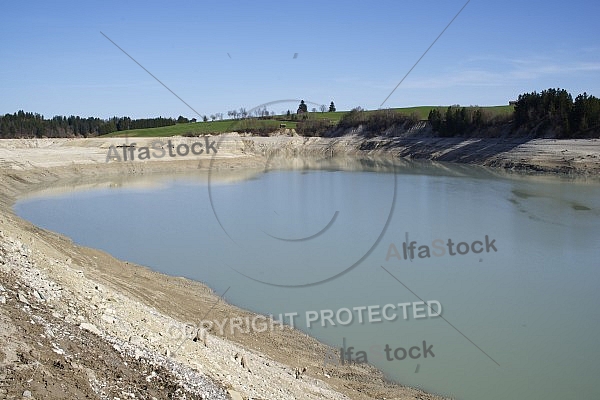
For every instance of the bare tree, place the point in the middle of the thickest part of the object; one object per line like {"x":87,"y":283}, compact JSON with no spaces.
{"x":323,"y":107}
{"x":213,"y":117}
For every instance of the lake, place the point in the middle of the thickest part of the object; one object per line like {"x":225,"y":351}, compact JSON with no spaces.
{"x":512,"y":260}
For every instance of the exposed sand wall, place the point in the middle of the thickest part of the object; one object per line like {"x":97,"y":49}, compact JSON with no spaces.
{"x":577,"y":156}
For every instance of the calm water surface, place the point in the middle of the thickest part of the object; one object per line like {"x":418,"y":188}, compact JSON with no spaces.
{"x":520,"y":321}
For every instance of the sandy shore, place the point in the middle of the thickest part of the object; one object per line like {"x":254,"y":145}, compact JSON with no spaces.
{"x":77,"y":322}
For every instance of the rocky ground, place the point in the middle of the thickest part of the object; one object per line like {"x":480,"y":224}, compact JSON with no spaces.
{"x":77,"y":323}
{"x":51,"y":350}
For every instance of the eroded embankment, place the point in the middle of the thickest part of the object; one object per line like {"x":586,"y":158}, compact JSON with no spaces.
{"x":571,"y":157}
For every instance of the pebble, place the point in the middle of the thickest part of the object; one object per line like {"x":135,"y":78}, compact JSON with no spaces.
{"x":96,"y":299}
{"x":27,"y":393}
{"x":22,"y":298}
{"x":235,"y":395}
{"x":108,"y":319}
{"x":136,"y":340}
{"x":90,"y":328}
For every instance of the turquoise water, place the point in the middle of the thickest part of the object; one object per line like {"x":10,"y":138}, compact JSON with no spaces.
{"x":518,"y":321}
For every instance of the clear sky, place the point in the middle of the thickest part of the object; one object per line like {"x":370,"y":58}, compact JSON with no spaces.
{"x":221,"y":55}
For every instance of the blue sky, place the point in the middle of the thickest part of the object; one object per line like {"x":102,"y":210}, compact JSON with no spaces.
{"x":221,"y":55}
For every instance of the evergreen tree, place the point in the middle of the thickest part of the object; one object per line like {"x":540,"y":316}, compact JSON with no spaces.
{"x":302,"y":108}
{"x":332,"y":107}
{"x":435,"y":119}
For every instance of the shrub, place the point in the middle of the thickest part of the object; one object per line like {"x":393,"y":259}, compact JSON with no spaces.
{"x":313,"y":127}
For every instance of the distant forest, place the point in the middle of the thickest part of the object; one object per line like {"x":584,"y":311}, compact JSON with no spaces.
{"x":29,"y":125}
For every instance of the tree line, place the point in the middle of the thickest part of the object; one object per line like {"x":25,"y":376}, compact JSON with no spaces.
{"x":553,"y":112}
{"x":32,"y":125}
{"x":460,"y":121}
{"x":555,"y":109}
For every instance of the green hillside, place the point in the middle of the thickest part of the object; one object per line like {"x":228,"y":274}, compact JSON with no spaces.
{"x":258,"y":125}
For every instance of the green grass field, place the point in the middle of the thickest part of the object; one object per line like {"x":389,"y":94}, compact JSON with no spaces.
{"x":196,"y":129}
{"x":218,"y":127}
